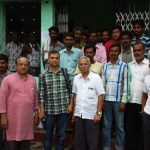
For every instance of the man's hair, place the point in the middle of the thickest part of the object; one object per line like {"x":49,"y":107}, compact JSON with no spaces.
{"x":84,"y":57}
{"x":126,"y":33}
{"x":115,"y":45}
{"x":93,"y":31}
{"x":116,"y":27}
{"x":139,"y":42}
{"x":90,"y":46}
{"x":4,"y":57}
{"x":139,"y":22}
{"x":78,"y":29}
{"x":53,"y":28}
{"x":22,"y":57}
{"x":105,"y":30}
{"x":69,"y":34}
{"x":53,"y":52}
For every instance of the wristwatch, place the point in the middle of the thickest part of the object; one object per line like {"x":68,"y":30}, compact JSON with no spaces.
{"x":99,"y":113}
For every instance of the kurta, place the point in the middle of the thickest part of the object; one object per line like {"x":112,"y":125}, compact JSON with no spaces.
{"x":19,"y":99}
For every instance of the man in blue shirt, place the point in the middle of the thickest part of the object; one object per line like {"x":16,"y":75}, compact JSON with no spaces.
{"x":115,"y":79}
{"x":70,"y":55}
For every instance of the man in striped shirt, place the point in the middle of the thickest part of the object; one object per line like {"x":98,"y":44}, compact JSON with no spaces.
{"x":54,"y":94}
{"x":138,"y":32}
{"x":115,"y":79}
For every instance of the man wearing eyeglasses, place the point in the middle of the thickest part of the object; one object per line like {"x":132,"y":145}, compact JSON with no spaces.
{"x":18,"y":101}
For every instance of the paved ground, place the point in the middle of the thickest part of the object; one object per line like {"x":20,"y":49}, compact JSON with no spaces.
{"x":37,"y":144}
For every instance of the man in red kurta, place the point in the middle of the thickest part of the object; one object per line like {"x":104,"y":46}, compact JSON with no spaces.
{"x":18,"y":101}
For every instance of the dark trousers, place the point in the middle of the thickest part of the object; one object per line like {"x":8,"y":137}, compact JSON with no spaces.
{"x":146,"y":129}
{"x":18,"y":145}
{"x":133,"y":127}
{"x":2,"y":147}
{"x":86,"y":134}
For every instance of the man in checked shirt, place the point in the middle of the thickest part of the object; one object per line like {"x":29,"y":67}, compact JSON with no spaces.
{"x":55,"y":102}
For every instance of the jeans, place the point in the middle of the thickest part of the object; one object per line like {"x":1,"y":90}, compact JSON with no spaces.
{"x":60,"y":121}
{"x":146,"y":129}
{"x":111,"y":110}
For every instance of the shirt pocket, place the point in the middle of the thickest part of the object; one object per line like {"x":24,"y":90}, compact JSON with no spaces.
{"x":74,"y":62}
{"x":91,"y":93}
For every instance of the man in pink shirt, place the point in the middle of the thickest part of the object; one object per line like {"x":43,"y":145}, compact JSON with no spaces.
{"x":115,"y":38}
{"x":100,"y":54}
{"x":18,"y":101}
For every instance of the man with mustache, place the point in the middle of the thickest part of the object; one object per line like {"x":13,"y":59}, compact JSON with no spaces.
{"x":115,"y":80}
{"x":139,"y":68}
{"x":126,"y":49}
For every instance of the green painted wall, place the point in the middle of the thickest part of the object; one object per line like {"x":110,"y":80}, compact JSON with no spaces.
{"x":47,"y":16}
{"x":2,"y":27}
{"x":47,"y":20}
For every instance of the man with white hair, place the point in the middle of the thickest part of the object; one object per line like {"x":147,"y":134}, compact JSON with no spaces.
{"x":88,"y":100}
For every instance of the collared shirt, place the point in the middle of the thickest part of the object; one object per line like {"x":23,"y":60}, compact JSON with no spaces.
{"x":69,"y":60}
{"x":115,"y":79}
{"x":100,"y":55}
{"x":19,"y":100}
{"x":53,"y":92}
{"x":127,"y":56}
{"x":146,"y":89}
{"x":13,"y":51}
{"x":87,"y":92}
{"x":138,"y":73}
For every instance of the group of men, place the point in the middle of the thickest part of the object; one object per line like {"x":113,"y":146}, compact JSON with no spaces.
{"x":108,"y":92}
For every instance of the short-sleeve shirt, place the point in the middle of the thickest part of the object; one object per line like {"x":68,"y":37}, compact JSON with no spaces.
{"x":87,"y":92}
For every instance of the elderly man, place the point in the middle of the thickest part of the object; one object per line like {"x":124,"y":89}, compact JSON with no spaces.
{"x":88,"y":100}
{"x":18,"y":101}
{"x":139,"y":68}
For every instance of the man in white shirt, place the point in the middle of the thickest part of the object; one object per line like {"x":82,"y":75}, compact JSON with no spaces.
{"x":139,"y":68}
{"x":146,"y":112}
{"x":88,"y":100}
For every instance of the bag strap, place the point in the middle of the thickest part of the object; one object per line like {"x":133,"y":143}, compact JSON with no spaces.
{"x":66,"y":75}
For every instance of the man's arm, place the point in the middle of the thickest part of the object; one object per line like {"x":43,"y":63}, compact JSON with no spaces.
{"x":70,"y":107}
{"x":4,"y":93}
{"x":41,"y":97}
{"x":41,"y":111}
{"x":4,"y":121}
{"x":144,"y":99}
{"x":74,"y":105}
{"x":126,"y":89}
{"x":98,"y":116}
